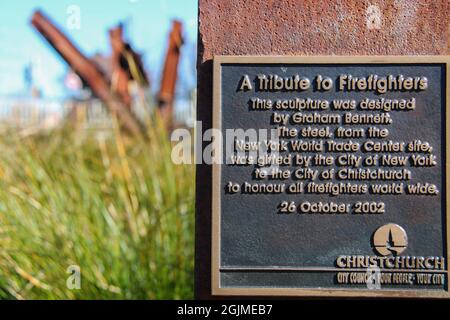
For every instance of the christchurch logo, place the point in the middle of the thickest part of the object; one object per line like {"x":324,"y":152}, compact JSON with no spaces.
{"x":390,"y":239}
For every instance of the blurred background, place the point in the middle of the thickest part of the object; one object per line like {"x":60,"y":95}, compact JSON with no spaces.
{"x":91,"y":204}
{"x":38,"y":86}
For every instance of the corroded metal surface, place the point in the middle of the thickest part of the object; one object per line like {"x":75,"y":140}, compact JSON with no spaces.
{"x":311,"y":27}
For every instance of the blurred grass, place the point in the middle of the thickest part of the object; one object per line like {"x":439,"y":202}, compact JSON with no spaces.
{"x":114,"y":206}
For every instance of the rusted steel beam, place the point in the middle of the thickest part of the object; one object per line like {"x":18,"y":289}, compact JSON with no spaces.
{"x":120,"y":77}
{"x":126,"y":65}
{"x":169,"y":75}
{"x":87,"y":70}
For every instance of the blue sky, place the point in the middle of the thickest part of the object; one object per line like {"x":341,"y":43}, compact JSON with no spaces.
{"x":147,"y":25}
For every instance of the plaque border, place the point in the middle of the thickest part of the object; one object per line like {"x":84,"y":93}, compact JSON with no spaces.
{"x":216,"y":289}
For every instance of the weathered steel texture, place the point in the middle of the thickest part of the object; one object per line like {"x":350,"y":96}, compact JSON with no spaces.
{"x":308,"y":27}
{"x":87,"y":70}
{"x":169,"y":75}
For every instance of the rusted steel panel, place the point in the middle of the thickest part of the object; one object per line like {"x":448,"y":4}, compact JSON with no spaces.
{"x":310,"y":27}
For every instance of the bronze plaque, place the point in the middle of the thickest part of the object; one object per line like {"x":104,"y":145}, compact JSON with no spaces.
{"x":330,"y":178}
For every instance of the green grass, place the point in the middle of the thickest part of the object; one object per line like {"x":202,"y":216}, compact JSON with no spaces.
{"x":114,"y":206}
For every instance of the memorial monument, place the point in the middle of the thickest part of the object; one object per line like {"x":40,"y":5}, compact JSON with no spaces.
{"x":330,"y":178}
